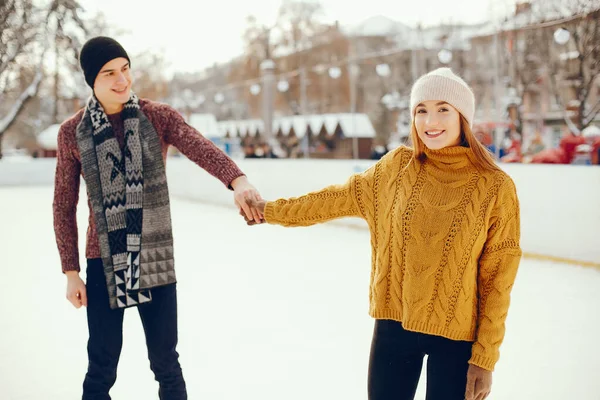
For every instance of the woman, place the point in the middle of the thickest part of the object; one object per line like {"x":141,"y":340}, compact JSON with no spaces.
{"x":444,"y":224}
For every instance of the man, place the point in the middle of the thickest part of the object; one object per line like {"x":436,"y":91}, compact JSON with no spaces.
{"x":119,"y":143}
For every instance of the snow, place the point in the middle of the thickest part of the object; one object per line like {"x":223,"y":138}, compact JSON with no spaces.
{"x":267,"y":313}
{"x":357,"y":125}
{"x":205,"y":123}
{"x":353,"y":125}
{"x":246,"y":127}
{"x":48,"y":138}
{"x":452,"y":37}
{"x":591,"y":131}
{"x":555,"y":12}
{"x":378,"y":25}
{"x":30,"y":91}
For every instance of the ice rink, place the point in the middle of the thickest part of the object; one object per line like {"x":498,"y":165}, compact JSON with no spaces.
{"x":267,"y":313}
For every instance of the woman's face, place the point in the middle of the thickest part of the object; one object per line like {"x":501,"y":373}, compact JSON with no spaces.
{"x":437,"y":124}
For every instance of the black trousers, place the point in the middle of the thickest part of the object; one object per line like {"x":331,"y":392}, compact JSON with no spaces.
{"x":397,"y":359}
{"x":159,"y":318}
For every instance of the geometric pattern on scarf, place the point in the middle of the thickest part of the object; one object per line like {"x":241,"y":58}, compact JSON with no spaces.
{"x":135,"y":238}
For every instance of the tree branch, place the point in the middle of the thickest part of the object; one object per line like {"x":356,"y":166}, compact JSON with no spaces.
{"x":589,"y":117}
{"x":27,"y":94}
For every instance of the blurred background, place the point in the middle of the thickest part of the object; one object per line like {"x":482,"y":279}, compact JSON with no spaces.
{"x":315,"y":79}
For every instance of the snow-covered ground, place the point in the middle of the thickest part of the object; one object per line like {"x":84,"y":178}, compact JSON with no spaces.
{"x":267,"y":313}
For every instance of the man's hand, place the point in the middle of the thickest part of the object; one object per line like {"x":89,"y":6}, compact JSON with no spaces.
{"x":76,"y":292}
{"x":243,"y":192}
{"x":479,"y":383}
{"x":258,"y":205}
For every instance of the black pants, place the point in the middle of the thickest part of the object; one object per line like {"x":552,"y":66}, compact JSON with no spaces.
{"x":159,"y":318}
{"x":397,"y":359}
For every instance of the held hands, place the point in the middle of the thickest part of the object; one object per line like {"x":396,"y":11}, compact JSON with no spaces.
{"x":244,"y":195}
{"x":479,"y":383}
{"x":258,"y":205}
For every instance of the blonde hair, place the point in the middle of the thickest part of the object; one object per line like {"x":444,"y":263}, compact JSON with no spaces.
{"x":483,"y":157}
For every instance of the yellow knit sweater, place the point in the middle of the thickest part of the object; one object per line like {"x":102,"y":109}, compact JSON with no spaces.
{"x":445,"y":242}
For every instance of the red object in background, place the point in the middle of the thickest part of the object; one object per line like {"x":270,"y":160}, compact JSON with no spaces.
{"x":569,"y":143}
{"x":595,"y":149}
{"x":550,"y":156}
{"x":511,"y":158}
{"x":514,"y":154}
{"x":484,"y":138}
{"x":563,"y":154}
{"x":515,"y":146}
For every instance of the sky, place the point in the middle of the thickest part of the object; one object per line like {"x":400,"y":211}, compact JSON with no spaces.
{"x":194,"y":35}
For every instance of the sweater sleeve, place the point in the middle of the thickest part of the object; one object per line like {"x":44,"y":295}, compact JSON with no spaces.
{"x":197,"y":148}
{"x":354,"y":198}
{"x":332,"y":202}
{"x":498,"y":266}
{"x":66,"y":196}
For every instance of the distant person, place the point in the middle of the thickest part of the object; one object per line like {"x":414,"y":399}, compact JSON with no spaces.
{"x":251,"y":151}
{"x":378,"y":152}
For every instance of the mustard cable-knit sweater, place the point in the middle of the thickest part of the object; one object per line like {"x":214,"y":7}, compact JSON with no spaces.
{"x":445,"y":242}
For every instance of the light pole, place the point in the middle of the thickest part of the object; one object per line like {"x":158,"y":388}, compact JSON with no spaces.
{"x":384,"y":71}
{"x":353,"y":71}
{"x":562,"y":37}
{"x":303,"y":109}
{"x":267,"y":67}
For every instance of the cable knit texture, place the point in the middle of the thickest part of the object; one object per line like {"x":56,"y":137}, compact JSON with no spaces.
{"x":171,"y":129}
{"x":445,"y":242}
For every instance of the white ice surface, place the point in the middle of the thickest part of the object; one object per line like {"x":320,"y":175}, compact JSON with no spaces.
{"x":267,"y":313}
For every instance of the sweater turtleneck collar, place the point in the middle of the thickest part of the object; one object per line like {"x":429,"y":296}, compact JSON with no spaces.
{"x":454,"y":157}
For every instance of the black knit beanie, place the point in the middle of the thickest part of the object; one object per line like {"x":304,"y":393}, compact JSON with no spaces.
{"x":95,"y":53}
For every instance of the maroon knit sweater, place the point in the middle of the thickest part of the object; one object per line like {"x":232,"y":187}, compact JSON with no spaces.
{"x":172,"y":130}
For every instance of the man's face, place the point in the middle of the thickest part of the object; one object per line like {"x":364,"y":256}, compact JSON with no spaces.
{"x":113,"y":84}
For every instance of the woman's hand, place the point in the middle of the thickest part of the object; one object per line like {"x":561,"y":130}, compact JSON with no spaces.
{"x":479,"y":383}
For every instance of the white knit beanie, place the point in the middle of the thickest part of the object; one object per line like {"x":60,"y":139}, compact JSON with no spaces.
{"x":442,"y":84}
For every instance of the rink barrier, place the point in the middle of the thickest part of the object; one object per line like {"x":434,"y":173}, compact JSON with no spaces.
{"x":560,"y":217}
{"x":342,"y":223}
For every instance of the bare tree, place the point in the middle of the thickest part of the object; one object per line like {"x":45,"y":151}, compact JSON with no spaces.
{"x":291,"y":36}
{"x":525,"y":54}
{"x":577,"y":63}
{"x":65,"y":24}
{"x":299,"y":24}
{"x":301,"y":30}
{"x":19,"y":35}
{"x":150,"y":80}
{"x":259,"y":39}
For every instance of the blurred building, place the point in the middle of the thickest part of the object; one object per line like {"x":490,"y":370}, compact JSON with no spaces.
{"x":307,"y":136}
{"x":524,"y":81}
{"x":527,"y":81}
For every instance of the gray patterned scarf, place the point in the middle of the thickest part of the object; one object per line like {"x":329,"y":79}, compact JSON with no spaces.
{"x":130,"y":200}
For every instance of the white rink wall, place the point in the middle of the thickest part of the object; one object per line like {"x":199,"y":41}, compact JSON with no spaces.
{"x":560,"y":204}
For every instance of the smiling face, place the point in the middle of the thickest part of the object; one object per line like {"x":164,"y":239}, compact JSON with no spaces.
{"x":437,"y":124}
{"x":113,"y":85}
